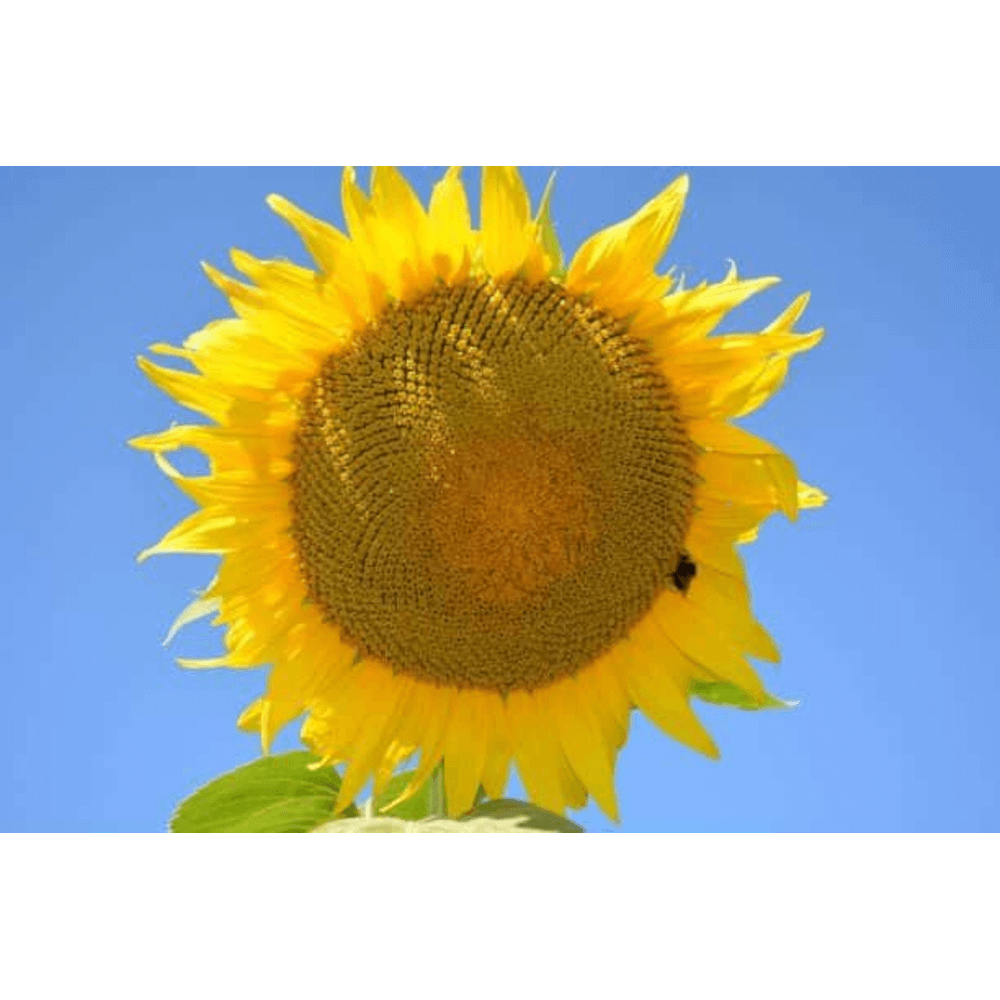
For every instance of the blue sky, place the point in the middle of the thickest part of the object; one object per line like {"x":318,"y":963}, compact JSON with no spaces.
{"x":883,"y":602}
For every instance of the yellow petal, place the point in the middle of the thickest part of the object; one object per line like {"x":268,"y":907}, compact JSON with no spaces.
{"x":451,"y":226}
{"x":232,"y":491}
{"x":338,"y":258}
{"x":325,"y":243}
{"x":403,"y":231}
{"x":357,"y":210}
{"x":395,"y":754}
{"x":190,"y":390}
{"x":584,"y":743}
{"x":769,"y":480}
{"x":449,"y":208}
{"x":811,"y":496}
{"x":309,"y":662}
{"x":395,"y":201}
{"x":249,"y":720}
{"x":507,"y":229}
{"x":496,"y":763}
{"x":537,"y":767}
{"x":427,"y":720}
{"x":727,"y":601}
{"x":689,"y":315}
{"x":618,"y":264}
{"x":717,"y":435}
{"x":464,"y":751}
{"x":698,"y":637}
{"x":385,"y":701}
{"x":268,"y":351}
{"x":297,"y":293}
{"x":656,"y":695}
{"x":204,"y":531}
{"x":275,"y":715}
{"x":199,"y":608}
{"x":708,"y":547}
{"x":732,"y":375}
{"x":547,"y":230}
{"x":602,"y":684}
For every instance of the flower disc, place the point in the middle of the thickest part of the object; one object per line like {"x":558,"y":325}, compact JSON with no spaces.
{"x":491,"y":485}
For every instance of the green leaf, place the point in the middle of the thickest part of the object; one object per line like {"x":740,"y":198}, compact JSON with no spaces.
{"x":721,"y":693}
{"x":518,"y":817}
{"x":277,"y":794}
{"x":550,"y":242}
{"x":498,"y":816}
{"x":418,"y":806}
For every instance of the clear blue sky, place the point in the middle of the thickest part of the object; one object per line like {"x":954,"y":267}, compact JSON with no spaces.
{"x":884,"y":602}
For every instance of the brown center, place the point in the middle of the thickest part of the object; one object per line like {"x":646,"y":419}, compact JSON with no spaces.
{"x":491,"y":485}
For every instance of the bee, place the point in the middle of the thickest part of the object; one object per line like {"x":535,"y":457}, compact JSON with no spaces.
{"x":684,"y":573}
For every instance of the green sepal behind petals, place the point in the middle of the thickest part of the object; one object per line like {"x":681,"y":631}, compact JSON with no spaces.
{"x":721,"y":693}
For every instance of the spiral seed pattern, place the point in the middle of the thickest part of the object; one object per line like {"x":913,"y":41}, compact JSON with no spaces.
{"x":491,"y":485}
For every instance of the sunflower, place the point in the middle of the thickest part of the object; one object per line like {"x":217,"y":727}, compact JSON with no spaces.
{"x":475,"y":505}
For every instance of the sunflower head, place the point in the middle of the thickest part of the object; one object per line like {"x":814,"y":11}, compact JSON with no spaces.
{"x":471,"y":504}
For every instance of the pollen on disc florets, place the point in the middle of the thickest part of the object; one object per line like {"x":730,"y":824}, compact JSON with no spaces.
{"x":491,"y":485}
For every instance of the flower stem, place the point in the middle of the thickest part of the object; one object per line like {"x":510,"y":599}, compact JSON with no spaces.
{"x":438,"y":802}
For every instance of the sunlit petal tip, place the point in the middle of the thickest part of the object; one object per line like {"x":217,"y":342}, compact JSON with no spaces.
{"x":349,"y":188}
{"x":199,"y":608}
{"x":667,"y":207}
{"x":226,"y":284}
{"x":243,"y":261}
{"x":391,"y":179}
{"x":213,"y":273}
{"x":206,"y":663}
{"x":166,"y":466}
{"x":381,"y":183}
{"x":810,"y":496}
{"x":266,"y":727}
{"x":169,"y":350}
{"x":767,"y":650}
{"x":545,"y":202}
{"x":145,"y":554}
{"x":784,"y":322}
{"x":249,"y":720}
{"x":147,"y":442}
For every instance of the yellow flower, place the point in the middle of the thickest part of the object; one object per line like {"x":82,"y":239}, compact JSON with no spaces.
{"x":472,"y":505}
